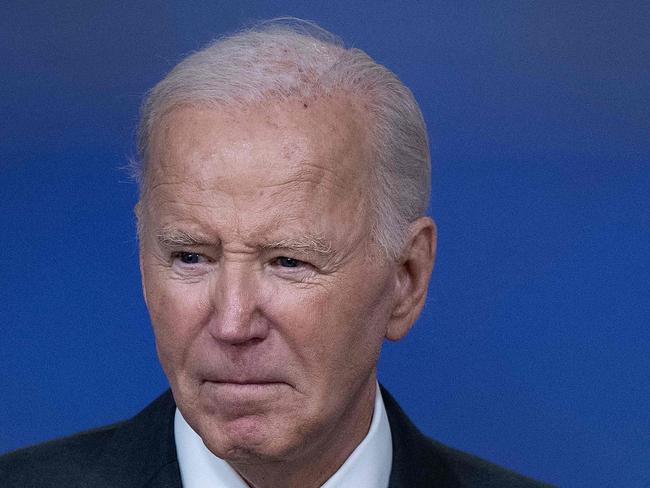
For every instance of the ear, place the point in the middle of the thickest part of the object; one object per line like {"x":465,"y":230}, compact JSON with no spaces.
{"x":414,"y":269}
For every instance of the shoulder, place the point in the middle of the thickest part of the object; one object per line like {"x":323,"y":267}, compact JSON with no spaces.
{"x":129,"y":453}
{"x":62,"y":462}
{"x":472,"y":471}
{"x":419,"y":461}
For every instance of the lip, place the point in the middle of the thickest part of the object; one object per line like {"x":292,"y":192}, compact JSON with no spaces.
{"x":238,"y":393}
{"x":243,"y":382}
{"x":244,"y":386}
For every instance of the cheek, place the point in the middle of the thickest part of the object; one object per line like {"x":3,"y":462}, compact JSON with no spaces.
{"x":177,"y":312}
{"x":332,"y":327}
{"x":359,"y":316}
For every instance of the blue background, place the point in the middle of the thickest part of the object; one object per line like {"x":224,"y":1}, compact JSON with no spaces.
{"x":533,"y":347}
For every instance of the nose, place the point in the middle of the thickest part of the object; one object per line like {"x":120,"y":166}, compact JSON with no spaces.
{"x":237,"y":316}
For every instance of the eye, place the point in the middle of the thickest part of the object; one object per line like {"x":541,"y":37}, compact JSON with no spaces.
{"x":187,"y":257}
{"x":286,"y":262}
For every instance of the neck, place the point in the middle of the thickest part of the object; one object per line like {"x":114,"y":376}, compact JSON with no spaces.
{"x":318,"y":462}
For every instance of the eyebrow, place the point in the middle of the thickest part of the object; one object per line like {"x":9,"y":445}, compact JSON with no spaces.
{"x":170,"y":238}
{"x":307,"y":243}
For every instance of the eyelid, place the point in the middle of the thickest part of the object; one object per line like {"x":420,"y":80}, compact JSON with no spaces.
{"x":299,"y":262}
{"x":303,"y":270}
{"x":177,"y":255}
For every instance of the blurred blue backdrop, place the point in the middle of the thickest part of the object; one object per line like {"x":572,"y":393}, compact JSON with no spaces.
{"x":533,"y":348}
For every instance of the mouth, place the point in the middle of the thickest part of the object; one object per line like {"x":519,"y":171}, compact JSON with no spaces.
{"x":237,"y":392}
{"x":245,"y":386}
{"x":243,"y":382}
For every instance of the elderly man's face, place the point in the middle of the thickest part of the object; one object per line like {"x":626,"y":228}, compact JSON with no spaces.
{"x":268,"y":299}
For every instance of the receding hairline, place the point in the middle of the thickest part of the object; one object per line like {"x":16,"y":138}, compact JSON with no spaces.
{"x":358,"y":125}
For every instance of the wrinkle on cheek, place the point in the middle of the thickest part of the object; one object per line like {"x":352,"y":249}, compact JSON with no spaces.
{"x":175,"y":340}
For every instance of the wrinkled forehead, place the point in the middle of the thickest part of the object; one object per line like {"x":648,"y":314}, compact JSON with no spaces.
{"x":324,"y":138}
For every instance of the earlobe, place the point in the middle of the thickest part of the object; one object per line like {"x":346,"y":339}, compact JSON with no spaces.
{"x":415,"y":266}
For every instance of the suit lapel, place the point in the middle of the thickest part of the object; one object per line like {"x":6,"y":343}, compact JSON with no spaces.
{"x":142,"y":452}
{"x":414,"y":464}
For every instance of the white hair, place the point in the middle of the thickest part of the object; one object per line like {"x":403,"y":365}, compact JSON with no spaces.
{"x":289,"y":58}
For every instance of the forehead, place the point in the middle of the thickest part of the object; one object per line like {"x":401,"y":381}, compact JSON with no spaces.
{"x":271,"y":141}
{"x":302,"y":164}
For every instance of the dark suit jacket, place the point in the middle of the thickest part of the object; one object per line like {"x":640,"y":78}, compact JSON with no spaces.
{"x":140,"y":452}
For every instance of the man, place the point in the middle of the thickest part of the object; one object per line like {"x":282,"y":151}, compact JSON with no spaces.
{"x":283,"y":237}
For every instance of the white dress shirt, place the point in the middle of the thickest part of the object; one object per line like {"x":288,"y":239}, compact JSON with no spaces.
{"x":369,"y":464}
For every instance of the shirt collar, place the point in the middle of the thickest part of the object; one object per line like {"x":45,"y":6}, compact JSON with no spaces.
{"x":368,"y":465}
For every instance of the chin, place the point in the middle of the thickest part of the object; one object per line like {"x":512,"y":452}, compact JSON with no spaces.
{"x":249,"y":440}
{"x":248,"y":427}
